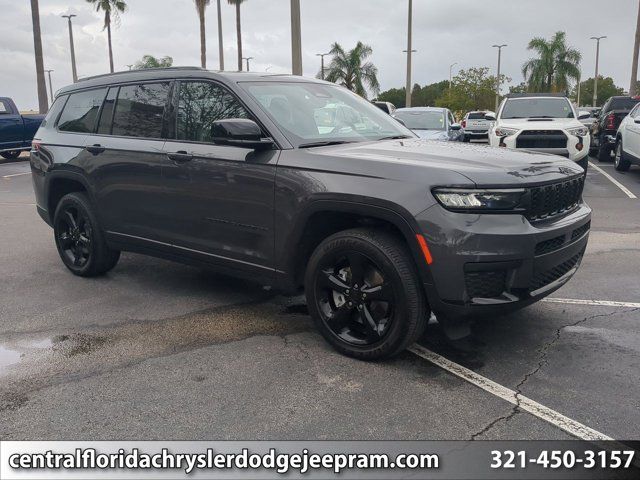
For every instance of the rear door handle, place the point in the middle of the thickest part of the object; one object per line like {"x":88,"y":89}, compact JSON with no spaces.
{"x":95,"y":149}
{"x":180,"y":156}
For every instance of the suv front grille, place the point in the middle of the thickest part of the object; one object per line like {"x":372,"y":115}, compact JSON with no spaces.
{"x":545,"y":278}
{"x":578,"y":232}
{"x":555,"y":199}
{"x":550,"y":245}
{"x":541,"y":139}
{"x":490,"y":284}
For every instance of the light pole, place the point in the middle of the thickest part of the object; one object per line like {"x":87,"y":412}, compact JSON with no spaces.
{"x":498,"y":82}
{"x":73,"y":51}
{"x":450,"y":74}
{"x":247,"y":60}
{"x":595,"y":80}
{"x":578,"y":89}
{"x":409,"y":52}
{"x":50,"y":86}
{"x":322,"y":55}
{"x":130,"y":66}
{"x":220,"y":45}
{"x":296,"y":38}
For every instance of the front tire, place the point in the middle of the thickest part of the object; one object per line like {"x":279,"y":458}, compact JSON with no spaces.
{"x":11,"y":154}
{"x":584,"y":163}
{"x":79,"y":238}
{"x":364,"y":294}
{"x":621,"y":163}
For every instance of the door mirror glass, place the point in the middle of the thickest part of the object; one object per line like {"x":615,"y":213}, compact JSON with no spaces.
{"x":455,"y":126}
{"x":583,"y":115}
{"x":239,"y":132}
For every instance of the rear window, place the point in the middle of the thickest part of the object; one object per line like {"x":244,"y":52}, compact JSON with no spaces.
{"x":81,"y":111}
{"x":623,"y":103}
{"x":3,"y":107}
{"x":476,"y":116}
{"x":139,"y":110}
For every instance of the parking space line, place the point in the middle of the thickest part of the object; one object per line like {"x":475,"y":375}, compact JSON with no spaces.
{"x":624,"y":189}
{"x":597,"y":303}
{"x":16,"y":175}
{"x":567,"y":424}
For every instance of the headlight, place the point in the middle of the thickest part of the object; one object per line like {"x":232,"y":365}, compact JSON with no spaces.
{"x":459,"y":199}
{"x":578,"y":131}
{"x":505,"y":132}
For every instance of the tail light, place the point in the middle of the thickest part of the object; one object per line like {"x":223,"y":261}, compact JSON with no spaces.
{"x":35,"y":145}
{"x":611,"y":122}
{"x":464,"y":124}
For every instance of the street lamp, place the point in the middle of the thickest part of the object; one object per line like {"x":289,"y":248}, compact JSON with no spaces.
{"x":50,"y":86}
{"x":73,"y":52}
{"x":409,"y":51}
{"x":595,"y":80}
{"x":296,"y":39}
{"x":322,"y":55}
{"x":450,"y":73}
{"x":247,"y":60}
{"x":498,"y":82}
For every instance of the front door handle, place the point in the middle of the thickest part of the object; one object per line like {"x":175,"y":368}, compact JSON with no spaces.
{"x":180,"y":156}
{"x":95,"y":149}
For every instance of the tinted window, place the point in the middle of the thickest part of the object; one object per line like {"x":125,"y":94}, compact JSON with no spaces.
{"x":421,"y":119}
{"x":537,"y":108}
{"x":54,"y":111}
{"x":140,"y":109}
{"x":104,"y":124}
{"x":476,"y":116}
{"x":623,"y":103}
{"x":199,"y":105}
{"x":81,"y":111}
{"x":3,"y":107}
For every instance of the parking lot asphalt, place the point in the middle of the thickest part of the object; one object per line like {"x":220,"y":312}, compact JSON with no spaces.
{"x":157,"y":350}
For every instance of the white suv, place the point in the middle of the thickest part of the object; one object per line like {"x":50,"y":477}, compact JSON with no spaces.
{"x":545,"y":123}
{"x":628,"y":141}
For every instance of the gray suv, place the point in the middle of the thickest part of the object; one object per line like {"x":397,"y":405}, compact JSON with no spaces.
{"x":299,"y":183}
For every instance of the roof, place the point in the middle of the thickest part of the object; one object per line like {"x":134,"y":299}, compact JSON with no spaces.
{"x":129,"y":76}
{"x":535,"y":95}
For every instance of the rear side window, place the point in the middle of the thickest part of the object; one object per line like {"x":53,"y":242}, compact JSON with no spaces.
{"x":139,"y":110}
{"x":199,"y":105}
{"x":81,"y":111}
{"x":54,"y":111}
{"x":3,"y":107}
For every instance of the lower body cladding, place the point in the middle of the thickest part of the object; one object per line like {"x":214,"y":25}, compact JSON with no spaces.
{"x":492,"y":264}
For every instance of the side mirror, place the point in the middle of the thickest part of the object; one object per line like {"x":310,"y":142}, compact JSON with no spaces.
{"x":490,"y":117}
{"x":583,"y":115}
{"x":240,"y":132}
{"x":455,"y":126}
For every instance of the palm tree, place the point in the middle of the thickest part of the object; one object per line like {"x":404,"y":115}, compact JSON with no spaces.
{"x":351,"y":69}
{"x":43,"y":104}
{"x":237,"y":3}
{"x":111,"y":8}
{"x":555,"y":66}
{"x":201,"y":6}
{"x":149,"y":61}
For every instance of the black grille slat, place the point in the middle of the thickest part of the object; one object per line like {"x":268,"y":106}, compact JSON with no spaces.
{"x":578,"y":232}
{"x":549,"y":276}
{"x":489,"y":284}
{"x":550,"y":245}
{"x":541,"y":139}
{"x":551,"y":200}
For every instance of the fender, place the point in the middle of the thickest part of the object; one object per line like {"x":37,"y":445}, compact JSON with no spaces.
{"x":66,"y":173}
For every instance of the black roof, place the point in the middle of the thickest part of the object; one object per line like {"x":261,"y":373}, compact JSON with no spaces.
{"x":128,"y":76}
{"x":535,"y":95}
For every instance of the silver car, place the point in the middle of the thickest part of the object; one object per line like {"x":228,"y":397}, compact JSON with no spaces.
{"x":432,"y":123}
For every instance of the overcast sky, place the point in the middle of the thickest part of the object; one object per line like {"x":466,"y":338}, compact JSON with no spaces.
{"x":445,"y":31}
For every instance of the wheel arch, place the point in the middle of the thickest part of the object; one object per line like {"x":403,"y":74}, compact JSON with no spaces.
{"x":61,"y":183}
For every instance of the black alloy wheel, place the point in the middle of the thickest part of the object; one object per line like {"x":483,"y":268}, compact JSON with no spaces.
{"x":73,"y":235}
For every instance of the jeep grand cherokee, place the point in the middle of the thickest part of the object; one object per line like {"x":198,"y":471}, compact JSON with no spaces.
{"x":256,"y":175}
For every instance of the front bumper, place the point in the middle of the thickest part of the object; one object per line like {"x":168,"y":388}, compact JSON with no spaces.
{"x":477,"y":133}
{"x":493,"y":264}
{"x":570,"y":150}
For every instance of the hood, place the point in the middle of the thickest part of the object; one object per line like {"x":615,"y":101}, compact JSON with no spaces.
{"x":481,"y":164}
{"x":432,"y":134}
{"x":540,"y":123}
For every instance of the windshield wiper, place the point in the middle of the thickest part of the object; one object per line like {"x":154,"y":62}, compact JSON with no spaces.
{"x":323,"y":143}
{"x":395,"y":137}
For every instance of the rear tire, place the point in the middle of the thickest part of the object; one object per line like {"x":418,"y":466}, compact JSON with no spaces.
{"x":466,"y":139}
{"x":621,"y":163}
{"x":79,"y":238}
{"x":364,"y":294}
{"x":11,"y":154}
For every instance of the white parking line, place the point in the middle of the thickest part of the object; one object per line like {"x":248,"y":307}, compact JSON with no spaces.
{"x":16,"y":174}
{"x":570,"y":426}
{"x":626,"y":191}
{"x":597,"y":303}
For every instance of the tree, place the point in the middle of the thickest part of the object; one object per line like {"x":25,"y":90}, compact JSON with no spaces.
{"x":554,"y":68}
{"x":634,"y":64}
{"x":352,"y":70}
{"x":43,"y":104}
{"x":201,"y":6}
{"x":520,"y":88}
{"x":112,"y":10}
{"x":149,"y":61}
{"x":606,"y":88}
{"x":396,"y":96}
{"x":428,"y":95}
{"x":237,"y":3}
{"x":471,"y":89}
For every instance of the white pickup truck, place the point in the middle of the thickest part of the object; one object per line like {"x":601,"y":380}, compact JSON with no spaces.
{"x":475,"y":125}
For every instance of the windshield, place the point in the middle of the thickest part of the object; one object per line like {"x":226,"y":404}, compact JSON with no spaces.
{"x":309,"y":113}
{"x":537,"y":108}
{"x":421,"y":119}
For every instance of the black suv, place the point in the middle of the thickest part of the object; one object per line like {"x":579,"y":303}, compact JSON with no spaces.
{"x":605,"y":128}
{"x":300,"y":183}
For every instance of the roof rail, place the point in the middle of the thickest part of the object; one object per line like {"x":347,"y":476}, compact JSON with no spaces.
{"x":526,"y":95}
{"x":124,"y":72}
